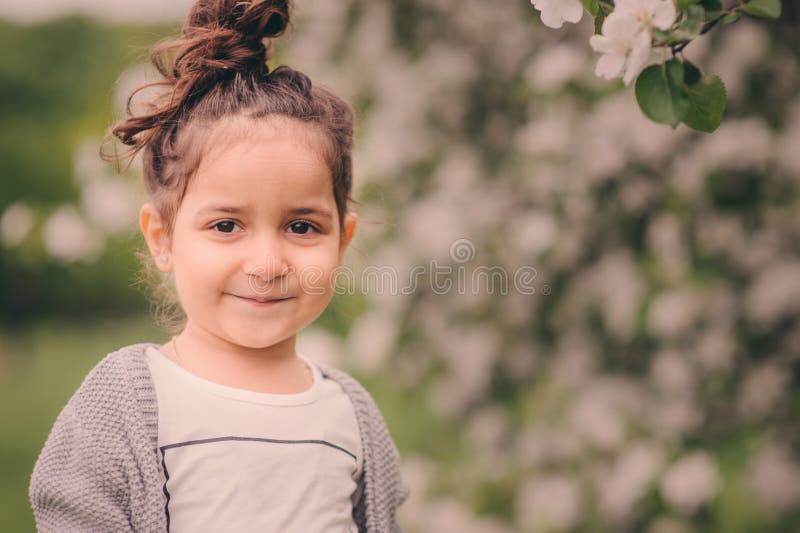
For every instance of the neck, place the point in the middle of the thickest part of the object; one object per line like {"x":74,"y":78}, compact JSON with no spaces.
{"x":255,"y":368}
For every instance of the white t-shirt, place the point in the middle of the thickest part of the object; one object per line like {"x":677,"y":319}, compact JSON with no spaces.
{"x":239,"y":460}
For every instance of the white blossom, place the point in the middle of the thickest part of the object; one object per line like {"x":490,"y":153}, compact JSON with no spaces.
{"x":669,"y":524}
{"x":671,"y":373}
{"x":649,"y":13}
{"x":761,"y":390}
{"x":469,"y":354}
{"x":556,"y":65}
{"x":68,"y":237}
{"x":487,"y":431}
{"x":536,"y":232}
{"x":774,"y":293}
{"x":371,"y":340}
{"x":627,"y":480}
{"x":548,"y":134}
{"x":549,"y":503}
{"x":626,"y":38}
{"x":624,"y":47}
{"x":674,"y":415}
{"x":110,"y":204}
{"x":320,"y":345}
{"x":556,"y":12}
{"x":15,"y":223}
{"x":674,"y":312}
{"x":691,"y":482}
{"x":665,"y":239}
{"x":600,"y":411}
{"x":87,"y":164}
{"x":715,"y":349}
{"x":620,"y":288}
{"x":741,"y":47}
{"x":774,"y":477}
{"x":449,"y":515}
{"x":786,"y":156}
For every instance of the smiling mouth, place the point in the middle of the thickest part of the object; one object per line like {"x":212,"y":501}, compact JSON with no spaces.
{"x":262,"y":300}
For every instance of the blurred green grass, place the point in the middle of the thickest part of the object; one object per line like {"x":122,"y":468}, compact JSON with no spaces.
{"x":40,"y":367}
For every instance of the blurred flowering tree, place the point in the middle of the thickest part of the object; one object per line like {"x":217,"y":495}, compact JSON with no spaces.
{"x":649,"y":383}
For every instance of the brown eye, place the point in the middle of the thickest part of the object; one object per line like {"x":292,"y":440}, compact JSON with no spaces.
{"x":225,"y":226}
{"x":301,"y":227}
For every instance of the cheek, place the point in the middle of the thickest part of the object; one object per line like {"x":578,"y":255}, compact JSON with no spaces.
{"x":316,"y":269}
{"x":199,"y":267}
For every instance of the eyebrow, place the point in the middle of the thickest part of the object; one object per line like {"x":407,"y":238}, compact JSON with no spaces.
{"x":235,"y":209}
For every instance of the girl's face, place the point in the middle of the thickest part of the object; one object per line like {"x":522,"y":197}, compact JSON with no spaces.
{"x":258,"y":221}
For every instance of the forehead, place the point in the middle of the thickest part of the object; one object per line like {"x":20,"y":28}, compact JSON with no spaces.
{"x":276,"y":159}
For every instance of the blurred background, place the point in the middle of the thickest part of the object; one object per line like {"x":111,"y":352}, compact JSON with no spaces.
{"x":645,"y":380}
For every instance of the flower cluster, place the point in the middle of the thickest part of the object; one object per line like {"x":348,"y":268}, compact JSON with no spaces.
{"x":627,"y":36}
{"x":672,"y":90}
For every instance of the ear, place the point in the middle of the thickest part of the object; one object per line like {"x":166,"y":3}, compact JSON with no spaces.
{"x":155,"y":234}
{"x":348,"y":231}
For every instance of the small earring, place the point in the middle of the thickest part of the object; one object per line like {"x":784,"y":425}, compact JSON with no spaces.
{"x":163,"y":258}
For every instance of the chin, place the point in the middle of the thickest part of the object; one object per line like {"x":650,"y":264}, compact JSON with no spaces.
{"x":257,"y":341}
{"x":250,"y":338}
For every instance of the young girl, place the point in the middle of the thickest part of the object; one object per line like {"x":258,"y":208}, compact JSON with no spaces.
{"x":226,"y":427}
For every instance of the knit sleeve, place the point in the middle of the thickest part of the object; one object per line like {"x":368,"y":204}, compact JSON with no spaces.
{"x":387,"y":489}
{"x":392,"y":489}
{"x":77,"y":484}
{"x":384,"y":487}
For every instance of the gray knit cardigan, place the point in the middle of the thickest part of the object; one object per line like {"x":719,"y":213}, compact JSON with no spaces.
{"x":99,"y":469}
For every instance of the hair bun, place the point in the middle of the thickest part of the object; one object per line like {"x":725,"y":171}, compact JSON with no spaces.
{"x":230,"y":34}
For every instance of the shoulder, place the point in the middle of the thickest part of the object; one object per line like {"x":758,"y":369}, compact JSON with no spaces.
{"x":97,"y":470}
{"x":370,"y":419}
{"x":381,"y":456}
{"x":362,"y":400}
{"x":115,"y":389}
{"x":112,"y":376}
{"x":115,"y":365}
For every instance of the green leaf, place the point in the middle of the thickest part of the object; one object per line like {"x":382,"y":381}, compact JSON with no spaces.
{"x":713,"y":8}
{"x":592,"y":6}
{"x":661,"y":93}
{"x":730,"y":18}
{"x":690,"y":27}
{"x":683,"y":4}
{"x":763,"y":8}
{"x":664,"y":36}
{"x":707,"y":100}
{"x":691,"y":74}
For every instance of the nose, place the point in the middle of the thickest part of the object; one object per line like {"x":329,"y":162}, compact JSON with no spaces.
{"x":266,"y":265}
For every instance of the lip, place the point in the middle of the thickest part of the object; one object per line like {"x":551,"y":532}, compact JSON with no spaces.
{"x":258,"y":303}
